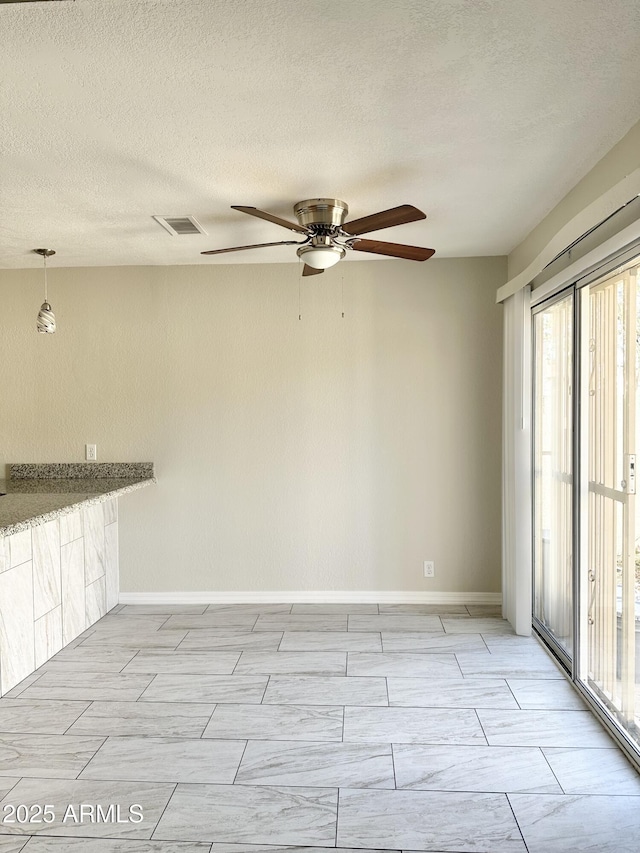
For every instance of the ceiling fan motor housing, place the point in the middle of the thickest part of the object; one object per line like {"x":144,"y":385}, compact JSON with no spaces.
{"x":321,"y":211}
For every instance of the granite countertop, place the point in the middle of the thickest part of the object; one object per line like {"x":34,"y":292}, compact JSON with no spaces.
{"x":34,"y":494}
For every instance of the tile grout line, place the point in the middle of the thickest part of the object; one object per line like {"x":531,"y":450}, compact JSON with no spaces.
{"x":264,"y":692}
{"x":455,"y":656}
{"x":182,"y":641}
{"x":235,"y":775}
{"x":506,"y":681}
{"x":42,"y":699}
{"x":174,"y":649}
{"x":393,"y":765}
{"x":20,"y":778}
{"x":155,"y":675}
{"x":104,"y":740}
{"x":129,"y":661}
{"x":633,"y":798}
{"x":81,"y":714}
{"x":544,"y":755}
{"x":42,"y":615}
{"x":517,"y":824}
{"x":484,"y":734}
{"x":206,"y":725}
{"x":27,"y":686}
{"x":486,"y":645}
{"x":175,"y":788}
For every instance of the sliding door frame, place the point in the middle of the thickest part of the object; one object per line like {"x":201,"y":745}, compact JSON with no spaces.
{"x":576,"y":666}
{"x":558,"y":650}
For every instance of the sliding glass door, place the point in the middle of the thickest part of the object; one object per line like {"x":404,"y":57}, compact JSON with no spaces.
{"x":586,"y":602}
{"x":610,"y":569}
{"x":553,"y":472}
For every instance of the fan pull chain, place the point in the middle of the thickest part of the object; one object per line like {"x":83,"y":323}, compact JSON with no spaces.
{"x":342,"y":295}
{"x":299,"y":289}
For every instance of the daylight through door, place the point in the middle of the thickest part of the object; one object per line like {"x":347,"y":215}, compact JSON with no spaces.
{"x":553,"y":472}
{"x":610,"y":568}
{"x":586,"y":602}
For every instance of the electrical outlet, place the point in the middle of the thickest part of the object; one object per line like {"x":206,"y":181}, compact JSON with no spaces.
{"x":429,"y":569}
{"x":91,"y":452}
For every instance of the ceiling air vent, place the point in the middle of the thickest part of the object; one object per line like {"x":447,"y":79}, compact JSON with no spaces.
{"x":178,"y":226}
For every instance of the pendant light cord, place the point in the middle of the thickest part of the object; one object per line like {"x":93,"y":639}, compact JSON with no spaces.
{"x":46,"y":297}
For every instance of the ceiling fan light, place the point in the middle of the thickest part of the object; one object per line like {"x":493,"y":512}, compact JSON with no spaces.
{"x":321,"y":257}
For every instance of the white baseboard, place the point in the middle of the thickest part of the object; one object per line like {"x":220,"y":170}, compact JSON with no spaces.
{"x":310,"y":597}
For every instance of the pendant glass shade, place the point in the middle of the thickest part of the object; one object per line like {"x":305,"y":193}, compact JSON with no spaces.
{"x":46,"y":319}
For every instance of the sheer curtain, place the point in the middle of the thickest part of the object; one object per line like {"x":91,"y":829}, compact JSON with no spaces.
{"x":516,"y":463}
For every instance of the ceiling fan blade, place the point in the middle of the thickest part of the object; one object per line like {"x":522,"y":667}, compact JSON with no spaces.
{"x":307,"y":270}
{"x":394,"y":250}
{"x":255,"y":246}
{"x":261,"y":214}
{"x":385,"y":219}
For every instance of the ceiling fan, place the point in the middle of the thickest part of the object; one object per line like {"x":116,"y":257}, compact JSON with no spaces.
{"x":328,"y":236}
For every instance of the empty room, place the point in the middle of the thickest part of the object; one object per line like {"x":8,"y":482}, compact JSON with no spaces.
{"x":319,"y":423}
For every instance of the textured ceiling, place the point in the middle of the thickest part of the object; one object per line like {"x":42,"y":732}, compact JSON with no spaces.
{"x":483,"y":113}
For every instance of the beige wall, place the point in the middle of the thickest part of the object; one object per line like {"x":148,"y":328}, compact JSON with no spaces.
{"x":322,"y":454}
{"x":619,"y":162}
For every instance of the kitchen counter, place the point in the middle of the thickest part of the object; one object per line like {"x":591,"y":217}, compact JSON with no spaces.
{"x":32,"y":500}
{"x":58,"y":556}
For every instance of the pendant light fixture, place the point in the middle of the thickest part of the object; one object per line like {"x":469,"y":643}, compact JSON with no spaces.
{"x":46,"y":318}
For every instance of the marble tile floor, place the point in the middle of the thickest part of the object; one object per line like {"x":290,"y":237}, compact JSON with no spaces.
{"x":308,"y":728}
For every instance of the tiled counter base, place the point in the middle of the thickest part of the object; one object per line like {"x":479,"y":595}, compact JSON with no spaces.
{"x":56,"y":579}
